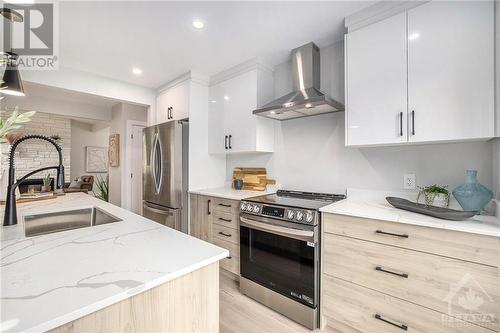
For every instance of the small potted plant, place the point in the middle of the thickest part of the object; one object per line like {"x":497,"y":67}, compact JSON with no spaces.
{"x":47,"y":180}
{"x":435,"y":195}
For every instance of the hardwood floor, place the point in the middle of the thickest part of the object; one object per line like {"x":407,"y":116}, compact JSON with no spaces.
{"x":241,"y":314}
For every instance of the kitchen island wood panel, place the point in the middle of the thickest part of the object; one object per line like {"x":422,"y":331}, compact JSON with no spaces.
{"x":189,"y":303}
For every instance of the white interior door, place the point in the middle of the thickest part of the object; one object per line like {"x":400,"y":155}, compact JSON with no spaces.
{"x":376,"y":101}
{"x":451,"y":71}
{"x":136,"y":169}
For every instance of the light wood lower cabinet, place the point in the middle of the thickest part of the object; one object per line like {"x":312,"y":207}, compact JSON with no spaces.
{"x":408,"y":276}
{"x":189,"y":303}
{"x":353,"y":308}
{"x":216,"y":220}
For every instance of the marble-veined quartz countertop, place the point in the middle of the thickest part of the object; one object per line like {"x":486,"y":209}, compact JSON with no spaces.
{"x":372,"y":205}
{"x":53,"y":279}
{"x":232,"y":194}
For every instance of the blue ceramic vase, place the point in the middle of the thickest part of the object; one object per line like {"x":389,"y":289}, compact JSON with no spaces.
{"x":472,"y":196}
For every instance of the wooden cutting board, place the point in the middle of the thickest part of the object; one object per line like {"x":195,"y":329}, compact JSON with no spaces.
{"x":254,"y":179}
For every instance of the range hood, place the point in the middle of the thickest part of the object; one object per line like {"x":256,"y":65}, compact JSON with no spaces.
{"x":306,"y":99}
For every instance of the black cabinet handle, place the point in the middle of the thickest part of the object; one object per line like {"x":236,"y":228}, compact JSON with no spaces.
{"x":225,"y":141}
{"x":224,"y":205}
{"x":391,"y":234}
{"x":401,"y":326}
{"x":208,"y":207}
{"x":380,"y":269}
{"x":225,"y":220}
{"x":224,"y":234}
{"x":412,"y":122}
{"x":171,"y":112}
{"x":401,"y":124}
{"x":230,"y":136}
{"x":229,"y":257}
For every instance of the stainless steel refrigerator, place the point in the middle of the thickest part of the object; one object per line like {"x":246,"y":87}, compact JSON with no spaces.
{"x":165,"y":174}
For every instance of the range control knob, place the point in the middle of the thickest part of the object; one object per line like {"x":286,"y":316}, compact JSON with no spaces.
{"x":309,"y":217}
{"x":256,"y":208}
{"x":290,"y":215}
{"x":300,"y":215}
{"x":243,"y":206}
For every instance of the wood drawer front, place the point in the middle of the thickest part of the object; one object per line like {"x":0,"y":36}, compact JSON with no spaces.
{"x":226,"y":233}
{"x":225,"y":206}
{"x":455,"y":244}
{"x":227,"y":220}
{"x":231,"y":264}
{"x":234,"y":249}
{"x":430,"y":278}
{"x":355,"y":307}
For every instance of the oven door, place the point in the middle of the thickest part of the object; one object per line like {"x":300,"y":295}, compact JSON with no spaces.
{"x":282,"y":259}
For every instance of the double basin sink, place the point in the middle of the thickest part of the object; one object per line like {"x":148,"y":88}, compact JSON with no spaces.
{"x":47,"y":223}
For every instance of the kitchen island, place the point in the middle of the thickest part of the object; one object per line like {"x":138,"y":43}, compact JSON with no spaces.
{"x":133,"y":275}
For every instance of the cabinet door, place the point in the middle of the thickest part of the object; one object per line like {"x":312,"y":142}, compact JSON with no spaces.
{"x":216,"y":128}
{"x":239,"y":98}
{"x":162,"y":108}
{"x":451,"y":71}
{"x":200,"y":224}
{"x":376,"y":101}
{"x":179,"y":101}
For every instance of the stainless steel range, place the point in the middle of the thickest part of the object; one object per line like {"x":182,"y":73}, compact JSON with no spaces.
{"x":280,"y":252}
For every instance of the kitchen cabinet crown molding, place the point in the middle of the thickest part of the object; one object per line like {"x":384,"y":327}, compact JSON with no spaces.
{"x":378,"y":12}
{"x":192,"y":76}
{"x":256,"y":63}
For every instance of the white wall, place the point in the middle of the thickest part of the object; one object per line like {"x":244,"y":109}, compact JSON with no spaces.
{"x":83,"y":135}
{"x":310,"y":153}
{"x":118,"y":125}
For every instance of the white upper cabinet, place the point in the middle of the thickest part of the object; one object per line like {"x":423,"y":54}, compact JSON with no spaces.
{"x":172,"y":102}
{"x":451,"y":71}
{"x":424,"y":75}
{"x":376,"y":83}
{"x":232,"y":126}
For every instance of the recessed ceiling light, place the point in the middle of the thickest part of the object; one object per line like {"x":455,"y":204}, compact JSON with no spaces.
{"x":137,"y":71}
{"x":413,"y":36}
{"x":198,"y":24}
{"x":213,"y":101}
{"x":226,"y":97}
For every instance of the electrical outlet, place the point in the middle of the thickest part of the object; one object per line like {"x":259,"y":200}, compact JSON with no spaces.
{"x":409,"y":181}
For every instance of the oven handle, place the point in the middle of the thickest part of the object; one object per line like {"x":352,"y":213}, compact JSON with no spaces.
{"x":303,"y":235}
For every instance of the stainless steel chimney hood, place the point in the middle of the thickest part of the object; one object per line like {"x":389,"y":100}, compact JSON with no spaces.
{"x":306,"y":99}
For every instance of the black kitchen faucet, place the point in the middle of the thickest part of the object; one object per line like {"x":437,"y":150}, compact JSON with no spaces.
{"x":10,"y":217}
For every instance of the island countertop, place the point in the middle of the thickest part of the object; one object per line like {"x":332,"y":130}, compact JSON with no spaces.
{"x":53,"y":279}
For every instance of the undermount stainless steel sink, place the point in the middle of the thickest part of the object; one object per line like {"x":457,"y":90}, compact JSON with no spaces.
{"x":47,"y":223}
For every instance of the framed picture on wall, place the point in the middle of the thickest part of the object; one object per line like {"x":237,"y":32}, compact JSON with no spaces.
{"x":96,"y":159}
{"x":114,"y":150}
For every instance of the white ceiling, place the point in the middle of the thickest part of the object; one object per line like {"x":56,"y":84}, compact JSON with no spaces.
{"x":109,"y":38}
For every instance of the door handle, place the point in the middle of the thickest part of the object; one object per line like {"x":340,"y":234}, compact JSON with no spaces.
{"x":401,"y":124}
{"x":224,"y":220}
{"x":156,"y":210}
{"x":224,"y":234}
{"x":380,"y":269}
{"x":401,"y":326}
{"x":412,"y":122}
{"x":208,"y":207}
{"x":303,"y":235}
{"x":225,"y":141}
{"x":391,"y":234}
{"x":230,"y":136}
{"x":171,"y":112}
{"x":224,"y":205}
{"x":168,"y":112}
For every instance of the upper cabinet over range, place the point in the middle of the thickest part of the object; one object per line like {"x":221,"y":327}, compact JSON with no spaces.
{"x":424,"y":75}
{"x":233,"y":95}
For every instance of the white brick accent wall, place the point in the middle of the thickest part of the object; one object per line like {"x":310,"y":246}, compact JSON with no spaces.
{"x":34,"y":154}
